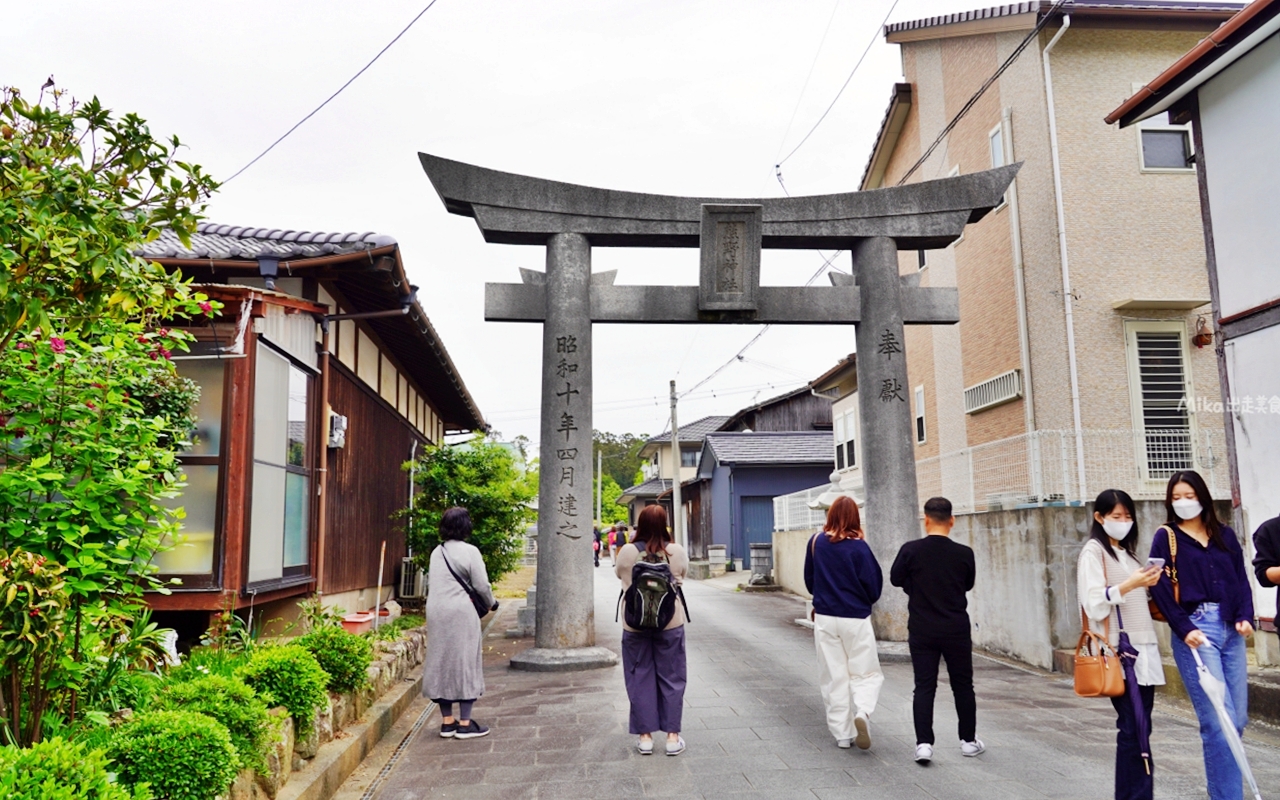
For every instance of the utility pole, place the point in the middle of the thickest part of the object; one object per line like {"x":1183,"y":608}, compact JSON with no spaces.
{"x":677,"y":528}
{"x":600,"y":487}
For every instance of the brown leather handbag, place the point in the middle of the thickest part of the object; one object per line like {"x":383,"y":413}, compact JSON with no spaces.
{"x":1170,"y":569}
{"x":1097,"y":675}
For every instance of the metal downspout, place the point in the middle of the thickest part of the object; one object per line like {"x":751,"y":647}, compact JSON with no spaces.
{"x":1067,"y":296}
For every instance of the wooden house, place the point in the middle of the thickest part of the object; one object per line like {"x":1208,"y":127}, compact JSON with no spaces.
{"x":320,"y":377}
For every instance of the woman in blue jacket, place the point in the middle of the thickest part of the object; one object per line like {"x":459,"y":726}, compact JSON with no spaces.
{"x":1211,"y":612}
{"x":845,"y":580}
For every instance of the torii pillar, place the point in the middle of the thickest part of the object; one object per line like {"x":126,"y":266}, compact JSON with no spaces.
{"x":568,"y":220}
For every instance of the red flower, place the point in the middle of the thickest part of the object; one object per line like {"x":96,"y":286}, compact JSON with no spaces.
{"x":207,"y":308}
{"x":58,"y":345}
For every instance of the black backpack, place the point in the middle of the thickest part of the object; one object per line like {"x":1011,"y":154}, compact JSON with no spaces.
{"x":650,"y":600}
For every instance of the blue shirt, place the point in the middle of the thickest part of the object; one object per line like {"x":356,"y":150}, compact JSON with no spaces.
{"x":1205,"y":575}
{"x":843,"y":577}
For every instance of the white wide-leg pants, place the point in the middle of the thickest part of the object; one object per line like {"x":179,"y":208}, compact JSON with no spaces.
{"x":848,"y":670}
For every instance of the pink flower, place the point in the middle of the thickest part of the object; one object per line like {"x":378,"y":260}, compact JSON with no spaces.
{"x":58,"y":345}
{"x":207,"y":308}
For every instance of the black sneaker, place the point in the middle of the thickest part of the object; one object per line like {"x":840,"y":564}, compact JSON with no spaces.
{"x":471,"y":730}
{"x":448,"y":729}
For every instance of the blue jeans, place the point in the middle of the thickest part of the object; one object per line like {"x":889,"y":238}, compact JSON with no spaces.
{"x":1224,"y":655}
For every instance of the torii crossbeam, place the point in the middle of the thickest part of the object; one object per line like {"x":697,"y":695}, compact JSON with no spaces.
{"x":569,"y":220}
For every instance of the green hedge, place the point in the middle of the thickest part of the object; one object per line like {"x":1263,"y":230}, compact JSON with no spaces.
{"x":231,"y":702}
{"x":181,"y":754}
{"x":61,"y":770}
{"x":289,"y":676}
{"x":345,"y":656}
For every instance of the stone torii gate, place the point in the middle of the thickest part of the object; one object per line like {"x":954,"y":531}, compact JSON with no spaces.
{"x":568,"y":220}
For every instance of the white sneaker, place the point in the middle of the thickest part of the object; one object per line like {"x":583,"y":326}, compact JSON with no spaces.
{"x":924,"y":753}
{"x":844,"y":744}
{"x":644,"y":747}
{"x":863,"y":726}
{"x":974,"y":748}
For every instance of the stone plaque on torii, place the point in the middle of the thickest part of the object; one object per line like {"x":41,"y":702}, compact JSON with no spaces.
{"x":567,"y":298}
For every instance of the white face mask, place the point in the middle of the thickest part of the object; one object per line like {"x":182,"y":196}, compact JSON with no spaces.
{"x":1116,"y":529}
{"x":1187,"y":509}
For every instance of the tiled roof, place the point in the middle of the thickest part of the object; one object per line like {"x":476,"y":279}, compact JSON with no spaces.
{"x":695,"y":431}
{"x":650,"y":488}
{"x":1070,"y":7}
{"x":782,"y":447}
{"x":212,"y":240}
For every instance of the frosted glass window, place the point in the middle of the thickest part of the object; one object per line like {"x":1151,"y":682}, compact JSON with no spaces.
{"x":209,"y":375}
{"x":193,"y":553}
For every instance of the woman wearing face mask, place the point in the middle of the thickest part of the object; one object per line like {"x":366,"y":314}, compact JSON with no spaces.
{"x":1213,"y":607}
{"x":1110,"y":578}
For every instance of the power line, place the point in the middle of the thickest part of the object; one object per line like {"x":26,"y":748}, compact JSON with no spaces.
{"x":335,"y":94}
{"x":874,"y":36}
{"x":972,"y":101}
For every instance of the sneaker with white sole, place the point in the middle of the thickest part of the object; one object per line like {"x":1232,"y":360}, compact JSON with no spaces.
{"x":675,"y":748}
{"x":644,"y":747}
{"x":863,"y":726}
{"x":971,"y":749}
{"x":844,"y":744}
{"x":924,"y":753}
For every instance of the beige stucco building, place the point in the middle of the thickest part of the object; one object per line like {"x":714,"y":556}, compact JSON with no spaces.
{"x":1030,"y":398}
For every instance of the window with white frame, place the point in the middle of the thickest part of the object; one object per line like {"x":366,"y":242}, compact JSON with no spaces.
{"x":1164,"y":146}
{"x":995,"y":144}
{"x":919,"y":400}
{"x":845,"y":429}
{"x":279,"y":528}
{"x":1158,"y":380}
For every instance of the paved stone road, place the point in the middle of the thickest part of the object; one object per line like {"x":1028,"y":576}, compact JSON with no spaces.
{"x":754,"y":725}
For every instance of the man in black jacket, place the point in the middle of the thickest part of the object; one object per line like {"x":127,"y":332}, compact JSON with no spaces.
{"x":935,"y":572}
{"x":1266,"y":548}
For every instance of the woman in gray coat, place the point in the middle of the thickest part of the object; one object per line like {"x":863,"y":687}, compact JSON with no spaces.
{"x":454,"y":671}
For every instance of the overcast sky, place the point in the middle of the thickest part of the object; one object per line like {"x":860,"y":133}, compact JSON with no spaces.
{"x":692,"y":97}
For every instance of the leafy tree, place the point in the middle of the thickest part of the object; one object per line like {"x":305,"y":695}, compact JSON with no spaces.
{"x":480,"y":476}
{"x":80,"y":190}
{"x":621,"y":459}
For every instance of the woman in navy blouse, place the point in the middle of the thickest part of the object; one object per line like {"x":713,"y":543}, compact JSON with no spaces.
{"x":1213,"y":613}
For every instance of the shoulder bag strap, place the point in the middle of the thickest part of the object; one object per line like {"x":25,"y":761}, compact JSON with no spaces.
{"x":1172,"y":569}
{"x":465,"y":585}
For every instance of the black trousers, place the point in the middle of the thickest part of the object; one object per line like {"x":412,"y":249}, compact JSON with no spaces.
{"x":926,"y":652}
{"x":1133,"y":781}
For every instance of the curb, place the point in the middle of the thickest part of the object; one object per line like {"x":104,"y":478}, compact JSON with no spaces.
{"x":336,"y":760}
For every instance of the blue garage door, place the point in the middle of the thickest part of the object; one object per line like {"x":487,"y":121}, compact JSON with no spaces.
{"x":757,"y":519}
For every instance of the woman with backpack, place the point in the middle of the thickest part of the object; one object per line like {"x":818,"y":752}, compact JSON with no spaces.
{"x":653,"y":655}
{"x":1112,"y":585}
{"x":1205,"y":595}
{"x":844,"y":578}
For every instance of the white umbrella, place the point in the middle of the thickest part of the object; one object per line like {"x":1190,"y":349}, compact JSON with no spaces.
{"x":1217,"y":693}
